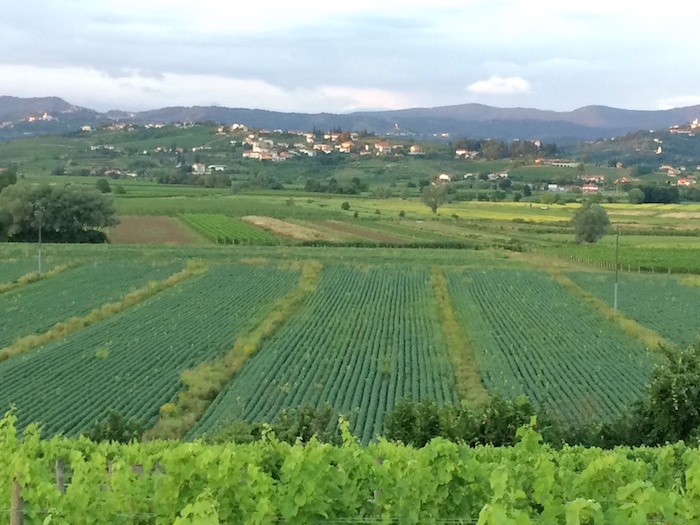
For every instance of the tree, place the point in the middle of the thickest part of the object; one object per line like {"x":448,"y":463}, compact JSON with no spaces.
{"x":636,"y":196}
{"x":116,"y":428}
{"x":434,"y":196}
{"x":591,"y":222}
{"x":8,"y":176}
{"x":527,"y":191}
{"x":671,"y":408}
{"x":68,"y":214}
{"x":103,"y":186}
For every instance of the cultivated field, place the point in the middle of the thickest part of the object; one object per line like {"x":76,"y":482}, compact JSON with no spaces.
{"x":367,"y":336}
{"x":131,"y":361}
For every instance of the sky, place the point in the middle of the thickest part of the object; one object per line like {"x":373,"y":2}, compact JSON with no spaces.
{"x":348,"y":55}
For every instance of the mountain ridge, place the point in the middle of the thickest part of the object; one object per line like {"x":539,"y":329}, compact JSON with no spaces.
{"x":468,"y":120}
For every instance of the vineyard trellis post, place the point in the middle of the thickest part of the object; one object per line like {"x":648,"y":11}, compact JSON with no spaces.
{"x":17,"y":504}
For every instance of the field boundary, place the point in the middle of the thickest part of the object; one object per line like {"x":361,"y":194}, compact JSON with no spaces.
{"x":204,"y":382}
{"x":73,"y":324}
{"x":33,"y":277}
{"x":470,"y":388}
{"x":648,"y":336}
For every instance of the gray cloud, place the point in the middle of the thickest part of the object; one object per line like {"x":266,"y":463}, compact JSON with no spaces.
{"x":570,"y":55}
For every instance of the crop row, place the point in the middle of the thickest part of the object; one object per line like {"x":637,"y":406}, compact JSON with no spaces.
{"x":222,"y":229}
{"x":38,"y":306}
{"x":659,"y":302}
{"x":532,"y":336}
{"x":131,"y":361}
{"x":365,"y":340}
{"x":13,"y":269}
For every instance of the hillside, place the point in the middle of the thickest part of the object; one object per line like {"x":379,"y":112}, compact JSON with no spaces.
{"x":24,"y":116}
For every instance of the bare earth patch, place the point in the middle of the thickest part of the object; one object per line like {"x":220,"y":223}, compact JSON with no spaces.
{"x":286,"y":229}
{"x":359,"y":231}
{"x":148,"y":229}
{"x":681,"y":215}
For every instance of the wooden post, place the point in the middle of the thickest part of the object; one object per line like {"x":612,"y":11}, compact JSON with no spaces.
{"x":60,"y":483}
{"x":17,"y":505}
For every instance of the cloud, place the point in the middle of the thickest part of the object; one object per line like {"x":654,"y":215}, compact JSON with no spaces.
{"x":497,"y":85}
{"x":679,"y":102}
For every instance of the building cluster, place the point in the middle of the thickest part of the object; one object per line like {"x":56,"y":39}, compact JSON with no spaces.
{"x":260,"y":146}
{"x":686,"y":129}
{"x":680,"y":174}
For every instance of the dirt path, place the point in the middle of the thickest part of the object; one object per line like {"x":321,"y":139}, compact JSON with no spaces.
{"x":287,"y":229}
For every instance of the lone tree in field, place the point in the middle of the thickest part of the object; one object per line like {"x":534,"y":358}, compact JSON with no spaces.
{"x":434,"y":195}
{"x":591,"y":222}
{"x":64,"y":214}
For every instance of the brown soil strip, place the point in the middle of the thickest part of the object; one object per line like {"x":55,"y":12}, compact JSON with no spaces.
{"x":286,"y":229}
{"x":360,"y":231}
{"x":142,"y":229}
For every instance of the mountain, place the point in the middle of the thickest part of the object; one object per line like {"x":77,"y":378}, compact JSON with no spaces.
{"x":465,"y":120}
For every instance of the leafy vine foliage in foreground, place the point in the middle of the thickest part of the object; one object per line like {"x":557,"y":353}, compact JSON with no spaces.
{"x":270,"y":481}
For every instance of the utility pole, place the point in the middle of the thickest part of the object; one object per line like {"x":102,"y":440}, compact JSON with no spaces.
{"x":617,"y":265}
{"x":40,"y":215}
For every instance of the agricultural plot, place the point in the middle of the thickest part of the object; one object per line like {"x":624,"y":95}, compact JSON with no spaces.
{"x":366,"y":339}
{"x":666,"y":259}
{"x":36,"y":307}
{"x":131,"y":361}
{"x":532,"y":336}
{"x":661,"y":303}
{"x":222,"y":229}
{"x":13,"y":269}
{"x":149,"y":229}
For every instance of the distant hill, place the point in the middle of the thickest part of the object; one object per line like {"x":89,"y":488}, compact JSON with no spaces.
{"x":439,"y":123}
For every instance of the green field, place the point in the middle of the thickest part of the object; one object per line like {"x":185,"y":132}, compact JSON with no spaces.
{"x":368,"y":338}
{"x":221,"y":229}
{"x":131,"y":361}
{"x":661,"y":303}
{"x":36,"y":307}
{"x":532,"y":336}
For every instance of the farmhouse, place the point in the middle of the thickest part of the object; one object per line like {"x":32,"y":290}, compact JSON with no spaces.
{"x":383,"y":148}
{"x":590,"y":187}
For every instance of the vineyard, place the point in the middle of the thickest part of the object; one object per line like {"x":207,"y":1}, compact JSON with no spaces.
{"x":39,"y":305}
{"x":273,"y":482}
{"x":131,"y":361}
{"x":658,"y":302}
{"x":222,"y":229}
{"x":365,"y":340}
{"x":532,"y":336}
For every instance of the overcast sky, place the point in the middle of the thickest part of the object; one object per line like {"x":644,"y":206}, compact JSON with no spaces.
{"x":346,"y":55}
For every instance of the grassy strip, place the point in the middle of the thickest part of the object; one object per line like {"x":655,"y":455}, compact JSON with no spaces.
{"x":204,"y":382}
{"x":61,"y":330}
{"x":32,"y":277}
{"x":650,"y":338}
{"x":690,"y":280}
{"x":469,"y":385}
